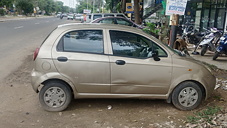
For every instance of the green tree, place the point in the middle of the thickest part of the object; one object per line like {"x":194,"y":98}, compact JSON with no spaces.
{"x":83,"y":5}
{"x":65,"y":9}
{"x":51,"y":6}
{"x":108,"y":5}
{"x":59,"y":6}
{"x":24,"y":6}
{"x":120,"y":7}
{"x":7,"y":3}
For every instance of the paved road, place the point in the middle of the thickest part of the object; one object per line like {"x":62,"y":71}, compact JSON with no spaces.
{"x":221,"y":62}
{"x":19,"y":38}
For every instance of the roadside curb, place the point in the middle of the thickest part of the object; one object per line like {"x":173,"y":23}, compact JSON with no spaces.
{"x":3,"y":19}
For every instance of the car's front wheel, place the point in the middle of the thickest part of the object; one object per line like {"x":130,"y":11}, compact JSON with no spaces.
{"x":55,"y":96}
{"x":187,"y":96}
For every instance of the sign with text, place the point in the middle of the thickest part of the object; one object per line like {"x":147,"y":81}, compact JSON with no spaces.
{"x":87,"y":11}
{"x":176,"y":7}
{"x":129,"y":8}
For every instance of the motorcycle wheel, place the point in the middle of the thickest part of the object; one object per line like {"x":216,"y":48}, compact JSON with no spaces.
{"x":186,"y":52}
{"x":216,"y":54}
{"x":204,"y":50}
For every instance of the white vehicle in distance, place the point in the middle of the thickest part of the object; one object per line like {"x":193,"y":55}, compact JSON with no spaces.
{"x":70,"y":17}
{"x":93,"y":16}
{"x":79,"y":17}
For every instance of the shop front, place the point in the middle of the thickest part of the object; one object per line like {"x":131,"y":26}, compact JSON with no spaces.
{"x":206,"y":14}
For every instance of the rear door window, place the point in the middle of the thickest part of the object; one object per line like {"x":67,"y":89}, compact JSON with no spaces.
{"x":124,"y":22}
{"x":89,"y":41}
{"x":107,"y":21}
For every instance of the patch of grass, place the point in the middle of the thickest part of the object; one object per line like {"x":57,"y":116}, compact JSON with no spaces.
{"x":205,"y":115}
{"x":219,"y":98}
{"x":193,"y":119}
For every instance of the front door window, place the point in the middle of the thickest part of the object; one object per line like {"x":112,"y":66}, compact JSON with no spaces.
{"x":132,"y":45}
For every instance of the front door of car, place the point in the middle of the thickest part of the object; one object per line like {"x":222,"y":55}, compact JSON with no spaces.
{"x":79,"y":56}
{"x":133,"y":70}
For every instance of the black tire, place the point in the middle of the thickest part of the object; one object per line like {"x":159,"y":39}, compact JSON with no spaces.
{"x":204,"y":50}
{"x":216,"y":54}
{"x":55,"y":96}
{"x":187,"y":96}
{"x":186,"y":52}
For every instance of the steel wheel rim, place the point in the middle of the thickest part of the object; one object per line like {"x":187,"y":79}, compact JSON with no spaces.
{"x":188,"y":97}
{"x":54,"y":97}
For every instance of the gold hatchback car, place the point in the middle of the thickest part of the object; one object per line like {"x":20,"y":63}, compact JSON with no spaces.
{"x":114,"y":61}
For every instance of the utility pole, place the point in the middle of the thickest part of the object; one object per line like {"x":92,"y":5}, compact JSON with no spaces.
{"x":94,"y":6}
{"x":173,"y":31}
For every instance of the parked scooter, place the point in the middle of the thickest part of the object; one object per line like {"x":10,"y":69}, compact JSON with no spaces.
{"x":222,"y":48}
{"x":209,"y":42}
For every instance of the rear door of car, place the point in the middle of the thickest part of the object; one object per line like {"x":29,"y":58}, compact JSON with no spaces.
{"x":79,"y":56}
{"x":133,"y":70}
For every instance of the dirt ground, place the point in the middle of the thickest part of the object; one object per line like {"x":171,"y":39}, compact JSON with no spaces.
{"x":20,"y":108}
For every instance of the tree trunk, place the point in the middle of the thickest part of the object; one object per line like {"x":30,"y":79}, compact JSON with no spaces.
{"x":136,"y":12}
{"x":123,"y":6}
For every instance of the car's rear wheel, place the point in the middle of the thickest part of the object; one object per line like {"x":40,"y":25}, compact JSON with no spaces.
{"x":187,"y":96}
{"x":55,"y":96}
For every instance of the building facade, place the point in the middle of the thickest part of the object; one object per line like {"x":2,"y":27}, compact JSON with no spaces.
{"x":206,"y":13}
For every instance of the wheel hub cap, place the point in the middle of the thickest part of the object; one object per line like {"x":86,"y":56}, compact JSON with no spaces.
{"x":188,"y":97}
{"x":54,"y":97}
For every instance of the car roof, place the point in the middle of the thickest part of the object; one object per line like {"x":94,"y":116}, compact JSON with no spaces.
{"x":112,"y":17}
{"x":107,"y":13}
{"x":65,"y":27}
{"x":95,"y":25}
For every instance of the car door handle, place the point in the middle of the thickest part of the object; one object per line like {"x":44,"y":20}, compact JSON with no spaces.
{"x":120,"y":62}
{"x":62,"y":59}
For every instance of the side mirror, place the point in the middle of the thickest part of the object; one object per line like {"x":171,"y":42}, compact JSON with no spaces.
{"x":155,"y":56}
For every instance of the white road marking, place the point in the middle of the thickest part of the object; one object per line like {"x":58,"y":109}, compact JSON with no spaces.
{"x":47,"y":21}
{"x":37,"y":23}
{"x":18,"y":27}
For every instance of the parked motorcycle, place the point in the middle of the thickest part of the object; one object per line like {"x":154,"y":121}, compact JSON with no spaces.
{"x":222,"y":48}
{"x":191,"y":35}
{"x":209,"y":42}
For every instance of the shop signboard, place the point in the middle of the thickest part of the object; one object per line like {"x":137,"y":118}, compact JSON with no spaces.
{"x":129,"y":8}
{"x":86,"y":11}
{"x":175,"y":7}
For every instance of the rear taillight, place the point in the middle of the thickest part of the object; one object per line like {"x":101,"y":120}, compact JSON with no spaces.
{"x":35,"y":53}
